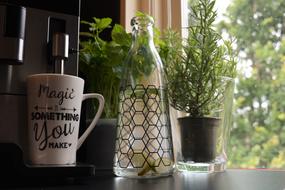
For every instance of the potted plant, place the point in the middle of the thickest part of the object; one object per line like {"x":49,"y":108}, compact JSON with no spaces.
{"x":101,"y":60}
{"x":101,"y":64}
{"x":200,"y":71}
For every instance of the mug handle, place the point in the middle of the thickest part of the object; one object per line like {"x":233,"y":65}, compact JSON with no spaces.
{"x":97,"y":116}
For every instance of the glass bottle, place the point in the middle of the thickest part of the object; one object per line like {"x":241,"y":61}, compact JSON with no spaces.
{"x":143,"y":144}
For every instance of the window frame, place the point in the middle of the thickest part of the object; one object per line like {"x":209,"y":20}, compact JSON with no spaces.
{"x":167,"y":13}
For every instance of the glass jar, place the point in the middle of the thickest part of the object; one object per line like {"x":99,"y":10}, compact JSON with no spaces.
{"x":143,"y":144}
{"x":202,"y":141}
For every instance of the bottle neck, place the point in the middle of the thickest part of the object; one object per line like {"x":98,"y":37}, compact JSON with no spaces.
{"x":142,"y":35}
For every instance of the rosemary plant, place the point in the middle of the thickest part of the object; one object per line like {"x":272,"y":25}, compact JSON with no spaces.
{"x":195,"y":65}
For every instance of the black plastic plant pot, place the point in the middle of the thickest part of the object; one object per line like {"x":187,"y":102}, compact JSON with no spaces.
{"x":198,"y":138}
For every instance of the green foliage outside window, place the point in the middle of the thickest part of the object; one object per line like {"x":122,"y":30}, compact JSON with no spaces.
{"x":258,"y":136}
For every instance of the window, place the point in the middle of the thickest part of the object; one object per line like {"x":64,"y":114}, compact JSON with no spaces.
{"x":258,"y":134}
{"x":159,"y":9}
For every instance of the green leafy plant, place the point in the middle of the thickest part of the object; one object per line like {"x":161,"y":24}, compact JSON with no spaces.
{"x":195,"y":65}
{"x":101,"y":60}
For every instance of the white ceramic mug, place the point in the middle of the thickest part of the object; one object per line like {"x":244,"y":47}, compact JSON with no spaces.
{"x":54,"y":105}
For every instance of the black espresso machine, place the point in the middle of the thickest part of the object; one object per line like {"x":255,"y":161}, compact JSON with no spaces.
{"x":27,"y":28}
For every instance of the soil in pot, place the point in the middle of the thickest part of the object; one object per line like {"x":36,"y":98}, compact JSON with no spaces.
{"x":198,"y":138}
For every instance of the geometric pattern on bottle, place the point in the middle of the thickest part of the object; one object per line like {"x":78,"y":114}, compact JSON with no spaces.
{"x":143,"y":134}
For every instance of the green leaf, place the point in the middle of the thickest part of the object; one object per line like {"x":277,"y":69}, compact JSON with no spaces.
{"x":104,"y":23}
{"x":120,"y":36}
{"x":85,"y":22}
{"x":87,"y":34}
